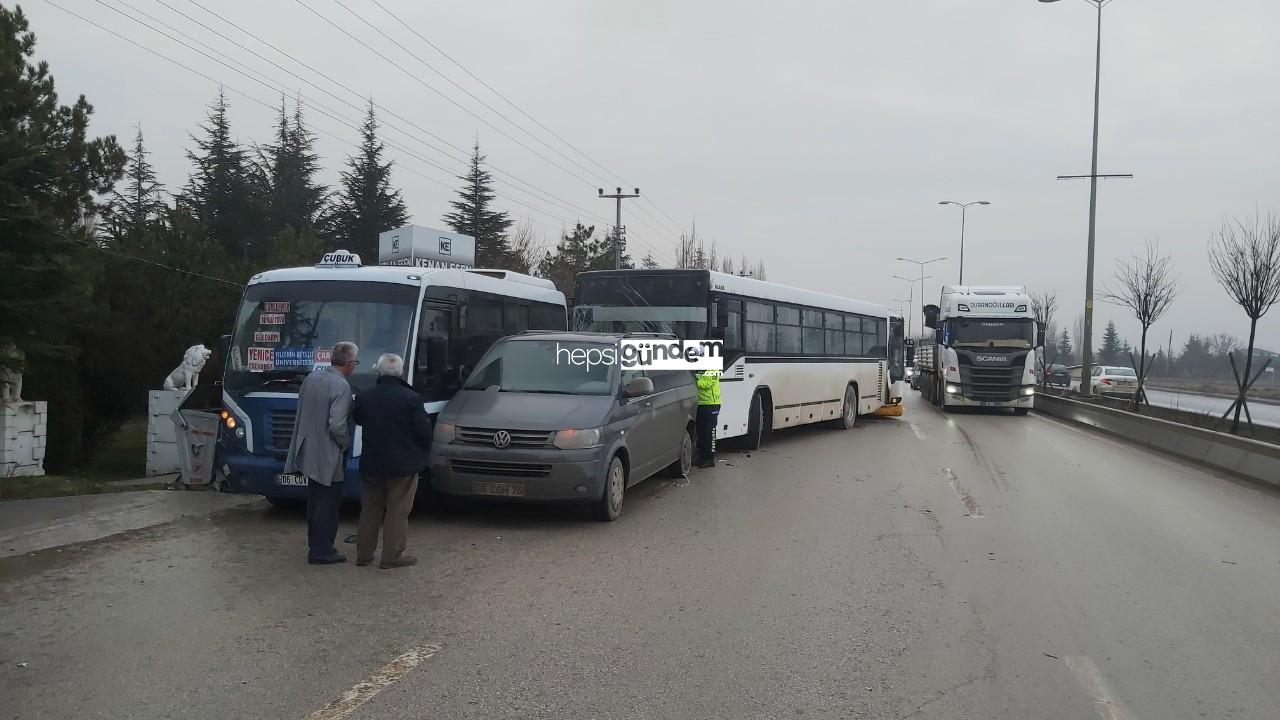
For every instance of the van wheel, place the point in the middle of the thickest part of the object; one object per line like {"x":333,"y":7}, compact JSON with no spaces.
{"x":287,"y":503}
{"x":755,"y":423}
{"x":609,"y":506}
{"x":683,"y":464}
{"x":1020,"y":411}
{"x":849,"y":415}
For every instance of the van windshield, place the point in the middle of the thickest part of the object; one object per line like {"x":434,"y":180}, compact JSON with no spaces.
{"x":547,"y":366}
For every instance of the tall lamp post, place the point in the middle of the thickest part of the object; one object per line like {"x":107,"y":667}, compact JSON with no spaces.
{"x":911,"y":296}
{"x":1086,"y":351}
{"x":922,"y":264}
{"x":963,"y":207}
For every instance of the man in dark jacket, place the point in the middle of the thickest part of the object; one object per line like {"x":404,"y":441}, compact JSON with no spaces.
{"x":397,"y":445}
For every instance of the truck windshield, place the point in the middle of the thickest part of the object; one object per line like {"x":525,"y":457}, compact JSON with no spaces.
{"x":285,"y":329}
{"x":989,"y":333}
{"x":546,"y":366}
{"x":644,"y":301}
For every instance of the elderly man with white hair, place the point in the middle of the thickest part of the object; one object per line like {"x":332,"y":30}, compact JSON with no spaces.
{"x":318,"y":449}
{"x":397,"y":446}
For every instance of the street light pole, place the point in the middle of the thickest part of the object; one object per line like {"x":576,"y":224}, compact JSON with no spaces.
{"x":922,"y":264}
{"x":1086,"y":351}
{"x":963,"y":208}
{"x":911,"y":297}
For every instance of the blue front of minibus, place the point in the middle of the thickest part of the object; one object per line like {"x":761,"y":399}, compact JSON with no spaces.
{"x":285,"y":329}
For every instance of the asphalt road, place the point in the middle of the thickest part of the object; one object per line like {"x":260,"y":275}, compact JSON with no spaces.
{"x":1263,"y":413}
{"x":930,"y":566}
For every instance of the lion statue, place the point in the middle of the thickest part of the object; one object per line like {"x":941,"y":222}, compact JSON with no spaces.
{"x":12,"y":364}
{"x":187,"y":375}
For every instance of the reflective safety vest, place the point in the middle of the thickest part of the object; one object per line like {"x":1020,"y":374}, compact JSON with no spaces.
{"x":708,"y":387}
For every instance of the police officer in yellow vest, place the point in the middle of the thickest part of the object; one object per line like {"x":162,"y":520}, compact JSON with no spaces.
{"x":708,"y":416}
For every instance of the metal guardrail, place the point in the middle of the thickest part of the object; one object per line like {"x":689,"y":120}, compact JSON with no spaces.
{"x":1239,"y":456}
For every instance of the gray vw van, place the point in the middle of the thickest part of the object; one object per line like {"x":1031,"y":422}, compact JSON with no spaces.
{"x":552,"y":416}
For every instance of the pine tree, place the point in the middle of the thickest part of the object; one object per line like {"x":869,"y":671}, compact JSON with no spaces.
{"x":133,"y":212}
{"x":289,"y":166}
{"x":648,"y":262}
{"x":1111,"y":348}
{"x":1064,"y":348}
{"x":367,"y":205}
{"x":473,"y":215}
{"x":223,"y":192}
{"x":52,"y":173}
{"x":575,"y":252}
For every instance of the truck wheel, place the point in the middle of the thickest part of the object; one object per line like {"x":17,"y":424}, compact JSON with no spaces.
{"x":609,"y":506}
{"x":755,"y":423}
{"x":936,"y":394}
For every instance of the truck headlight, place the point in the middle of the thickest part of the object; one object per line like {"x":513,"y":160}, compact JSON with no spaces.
{"x":240,"y":433}
{"x":444,"y":433}
{"x":578,"y":439}
{"x":1028,"y":391}
{"x":952,"y":389}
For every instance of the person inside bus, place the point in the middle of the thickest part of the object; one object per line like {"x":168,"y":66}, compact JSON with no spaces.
{"x":708,"y":416}
{"x":397,"y":446}
{"x":318,"y":448}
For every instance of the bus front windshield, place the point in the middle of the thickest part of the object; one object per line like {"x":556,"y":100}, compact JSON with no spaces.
{"x":992,"y":333}
{"x":658,"y":303}
{"x":285,"y":329}
{"x":546,"y":366}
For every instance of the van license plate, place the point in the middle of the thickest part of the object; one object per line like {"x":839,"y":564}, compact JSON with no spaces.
{"x":292,"y":479}
{"x":991,"y":404}
{"x":499,"y":489}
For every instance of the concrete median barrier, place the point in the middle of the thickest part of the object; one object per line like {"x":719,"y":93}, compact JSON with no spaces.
{"x":1246,"y":458}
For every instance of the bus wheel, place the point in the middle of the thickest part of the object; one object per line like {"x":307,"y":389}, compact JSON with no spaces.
{"x":755,"y":423}
{"x":849,"y":416}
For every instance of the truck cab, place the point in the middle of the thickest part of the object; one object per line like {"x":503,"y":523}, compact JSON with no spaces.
{"x":983,"y":352}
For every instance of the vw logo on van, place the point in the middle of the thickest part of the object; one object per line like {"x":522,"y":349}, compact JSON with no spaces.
{"x":501,"y":439}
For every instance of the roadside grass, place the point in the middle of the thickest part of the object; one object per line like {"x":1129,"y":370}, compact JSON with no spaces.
{"x":118,"y":466}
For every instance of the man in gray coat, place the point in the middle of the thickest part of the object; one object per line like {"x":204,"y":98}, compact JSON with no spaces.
{"x":321,"y":437}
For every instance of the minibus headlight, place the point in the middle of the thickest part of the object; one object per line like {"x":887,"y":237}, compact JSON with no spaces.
{"x":444,"y":433}
{"x":578,"y":439}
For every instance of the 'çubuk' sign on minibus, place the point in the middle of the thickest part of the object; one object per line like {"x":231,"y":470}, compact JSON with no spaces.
{"x":417,"y":246}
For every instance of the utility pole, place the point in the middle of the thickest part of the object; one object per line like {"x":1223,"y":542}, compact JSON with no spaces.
{"x":1086,"y":350}
{"x":618,"y":196}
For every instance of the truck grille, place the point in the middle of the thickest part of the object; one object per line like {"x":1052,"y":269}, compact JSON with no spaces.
{"x":281,"y":430}
{"x":503,"y":469}
{"x":519,"y":438}
{"x":990,"y":384}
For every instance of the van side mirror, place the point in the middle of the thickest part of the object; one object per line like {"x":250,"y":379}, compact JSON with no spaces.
{"x":931,"y":316}
{"x":639,"y":387}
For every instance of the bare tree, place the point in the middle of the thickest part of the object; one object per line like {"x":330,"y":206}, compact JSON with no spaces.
{"x":1245,"y":259}
{"x":1147,"y":286}
{"x":758,"y":272}
{"x":527,"y":247}
{"x":1043,"y":306}
{"x":1222,"y":343}
{"x":726,"y":265}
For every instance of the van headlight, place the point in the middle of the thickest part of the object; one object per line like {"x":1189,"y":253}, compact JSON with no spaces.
{"x":578,"y":439}
{"x":444,"y":433}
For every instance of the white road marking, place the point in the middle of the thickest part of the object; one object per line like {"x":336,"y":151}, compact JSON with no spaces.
{"x":916,"y":429}
{"x":1091,"y":680}
{"x":364,"y":691}
{"x":966,"y":499}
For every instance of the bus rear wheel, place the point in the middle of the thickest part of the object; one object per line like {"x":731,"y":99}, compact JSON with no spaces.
{"x":755,"y":423}
{"x":849,"y":413}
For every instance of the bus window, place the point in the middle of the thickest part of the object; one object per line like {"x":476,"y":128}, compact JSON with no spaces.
{"x":733,"y":329}
{"x":515,"y":317}
{"x":545,"y":316}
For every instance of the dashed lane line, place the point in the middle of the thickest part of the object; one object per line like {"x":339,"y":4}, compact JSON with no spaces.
{"x":365,"y":690}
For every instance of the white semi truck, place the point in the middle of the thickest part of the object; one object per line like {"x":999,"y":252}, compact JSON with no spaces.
{"x":983,"y":352}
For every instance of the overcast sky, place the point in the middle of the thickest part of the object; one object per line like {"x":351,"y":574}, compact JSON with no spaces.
{"x":818,"y":136}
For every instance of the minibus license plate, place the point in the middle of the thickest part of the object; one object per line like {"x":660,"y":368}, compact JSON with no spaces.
{"x":291,"y":479}
{"x":499,"y":489}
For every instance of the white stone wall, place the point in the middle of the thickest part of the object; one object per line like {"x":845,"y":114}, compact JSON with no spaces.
{"x":162,"y":440}
{"x":24,"y":427}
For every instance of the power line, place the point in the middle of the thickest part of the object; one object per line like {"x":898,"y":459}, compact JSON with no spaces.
{"x":134,"y":258}
{"x":513,"y":181}
{"x":519,"y":109}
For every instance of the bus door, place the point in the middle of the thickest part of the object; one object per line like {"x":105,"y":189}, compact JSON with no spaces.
{"x":435,"y":373}
{"x":897,"y":350}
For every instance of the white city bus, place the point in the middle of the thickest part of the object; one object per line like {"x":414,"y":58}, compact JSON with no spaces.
{"x":792,"y":356}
